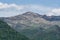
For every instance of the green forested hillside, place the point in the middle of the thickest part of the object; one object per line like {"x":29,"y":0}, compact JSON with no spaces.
{"x":52,"y":33}
{"x":7,"y":33}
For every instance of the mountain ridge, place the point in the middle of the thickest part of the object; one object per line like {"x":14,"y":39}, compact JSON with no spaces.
{"x":48,"y":18}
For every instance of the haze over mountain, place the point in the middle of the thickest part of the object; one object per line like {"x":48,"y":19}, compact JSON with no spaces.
{"x":35,"y":26}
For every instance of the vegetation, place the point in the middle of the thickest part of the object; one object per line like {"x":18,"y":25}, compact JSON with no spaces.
{"x":52,"y":33}
{"x":7,"y":33}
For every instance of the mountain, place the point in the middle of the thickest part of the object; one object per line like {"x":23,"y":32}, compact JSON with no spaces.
{"x":36,"y":26}
{"x":51,"y":18}
{"x":7,"y":33}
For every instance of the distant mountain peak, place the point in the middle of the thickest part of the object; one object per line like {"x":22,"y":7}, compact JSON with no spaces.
{"x":31,"y":14}
{"x":28,"y":13}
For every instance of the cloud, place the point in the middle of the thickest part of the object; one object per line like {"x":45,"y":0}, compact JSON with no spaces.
{"x":14,"y":9}
{"x":5,"y":5}
{"x":54,"y":11}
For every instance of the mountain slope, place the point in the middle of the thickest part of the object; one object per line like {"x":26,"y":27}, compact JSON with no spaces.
{"x":35,"y":26}
{"x":52,"y":33}
{"x":7,"y":33}
{"x":27,"y":23}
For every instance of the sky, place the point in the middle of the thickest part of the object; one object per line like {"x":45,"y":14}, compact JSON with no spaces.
{"x":10,"y":8}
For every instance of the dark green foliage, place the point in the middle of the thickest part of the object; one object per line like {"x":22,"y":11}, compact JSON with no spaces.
{"x":7,"y":33}
{"x":53,"y":33}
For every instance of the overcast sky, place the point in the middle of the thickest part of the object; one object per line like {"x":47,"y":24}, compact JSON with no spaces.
{"x":14,"y":7}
